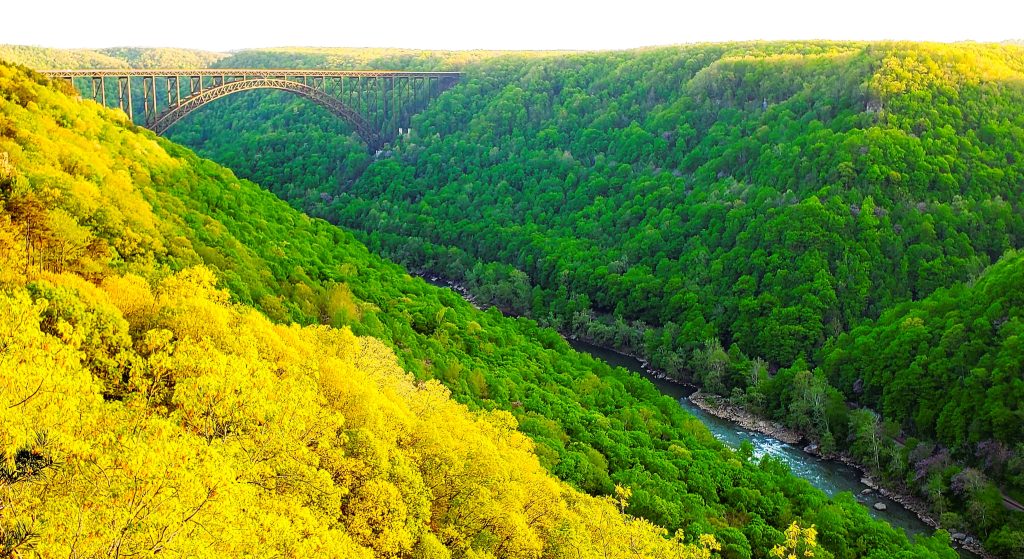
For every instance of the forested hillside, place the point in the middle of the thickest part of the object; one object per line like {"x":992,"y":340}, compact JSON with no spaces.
{"x":122,"y":57}
{"x":164,"y":420}
{"x":936,"y":389}
{"x":724,"y":210}
{"x":770,"y":195}
{"x":948,"y":369}
{"x":163,"y":57}
{"x":148,"y":407}
{"x":45,"y":58}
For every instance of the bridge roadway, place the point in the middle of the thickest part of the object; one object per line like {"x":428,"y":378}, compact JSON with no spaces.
{"x":246,"y":72}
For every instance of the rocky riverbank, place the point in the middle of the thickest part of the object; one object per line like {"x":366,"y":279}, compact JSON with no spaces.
{"x":914,"y":505}
{"x":450,"y":284}
{"x":718,"y":407}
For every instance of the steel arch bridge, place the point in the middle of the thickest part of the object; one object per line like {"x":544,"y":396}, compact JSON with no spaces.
{"x":378,"y":104}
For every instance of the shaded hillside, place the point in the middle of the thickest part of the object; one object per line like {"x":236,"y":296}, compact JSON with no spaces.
{"x":948,"y":369}
{"x":718,"y":188}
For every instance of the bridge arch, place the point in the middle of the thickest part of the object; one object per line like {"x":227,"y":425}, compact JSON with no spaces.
{"x":385,"y":100}
{"x":174,"y":113}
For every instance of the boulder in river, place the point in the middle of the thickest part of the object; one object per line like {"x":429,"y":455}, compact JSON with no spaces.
{"x":880,"y":506}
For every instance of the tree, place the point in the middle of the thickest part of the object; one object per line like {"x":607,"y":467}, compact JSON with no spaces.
{"x":867,"y":442}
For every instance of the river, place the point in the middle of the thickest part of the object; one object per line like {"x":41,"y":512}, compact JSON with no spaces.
{"x":830,"y":476}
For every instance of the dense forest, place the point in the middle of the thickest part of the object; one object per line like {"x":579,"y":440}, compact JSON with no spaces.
{"x":753,"y":217}
{"x":190,"y":366}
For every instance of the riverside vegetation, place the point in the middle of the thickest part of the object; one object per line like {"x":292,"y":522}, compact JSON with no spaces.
{"x":189,"y":366}
{"x":799,"y":227}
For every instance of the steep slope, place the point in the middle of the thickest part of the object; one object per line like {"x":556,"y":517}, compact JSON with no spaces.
{"x":221,"y":434}
{"x":146,"y":414}
{"x":90,"y":200}
{"x":769,"y":199}
{"x":947,"y":372}
{"x":770,"y":195}
{"x":966,"y":338}
{"x":721,"y":209}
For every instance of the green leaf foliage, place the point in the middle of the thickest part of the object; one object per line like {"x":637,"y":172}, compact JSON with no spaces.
{"x":86,"y":193}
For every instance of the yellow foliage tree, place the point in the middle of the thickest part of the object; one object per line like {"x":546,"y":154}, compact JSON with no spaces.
{"x":235,"y":436}
{"x":800,"y":542}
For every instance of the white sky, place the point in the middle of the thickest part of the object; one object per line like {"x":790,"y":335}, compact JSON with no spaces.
{"x":511,"y":24}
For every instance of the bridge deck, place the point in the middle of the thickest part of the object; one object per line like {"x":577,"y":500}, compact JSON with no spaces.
{"x":248,"y":72}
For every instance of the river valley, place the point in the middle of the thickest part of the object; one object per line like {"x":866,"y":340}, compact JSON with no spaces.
{"x":831,"y":476}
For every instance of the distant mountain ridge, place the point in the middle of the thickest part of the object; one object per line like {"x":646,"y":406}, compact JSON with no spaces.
{"x":42,"y":58}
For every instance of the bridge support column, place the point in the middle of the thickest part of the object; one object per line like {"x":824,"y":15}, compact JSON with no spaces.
{"x":173,"y":91}
{"x":124,"y":96}
{"x":195,"y":85}
{"x":149,"y":100}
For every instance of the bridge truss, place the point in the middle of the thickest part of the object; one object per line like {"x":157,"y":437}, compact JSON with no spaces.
{"x":378,"y":104}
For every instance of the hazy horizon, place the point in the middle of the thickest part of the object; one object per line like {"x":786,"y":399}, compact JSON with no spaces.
{"x":527,"y":25}
{"x":1014,"y":41}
